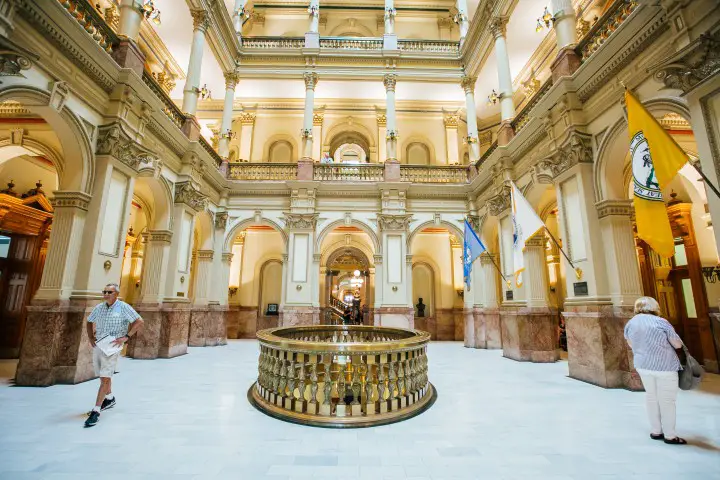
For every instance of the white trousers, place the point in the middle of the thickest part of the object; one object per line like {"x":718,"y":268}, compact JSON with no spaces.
{"x":661,"y":389}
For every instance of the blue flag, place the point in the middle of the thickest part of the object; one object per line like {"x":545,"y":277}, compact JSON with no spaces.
{"x":472,"y":249}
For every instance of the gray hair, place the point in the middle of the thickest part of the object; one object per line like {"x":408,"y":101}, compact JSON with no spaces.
{"x":647,"y":305}
{"x":115,"y":286}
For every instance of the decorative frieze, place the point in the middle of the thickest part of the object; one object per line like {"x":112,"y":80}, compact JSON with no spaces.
{"x":614,"y":207}
{"x":221,"y":219}
{"x":160,"y":236}
{"x":114,"y":141}
{"x":393,"y":222}
{"x":300,"y":221}
{"x":692,"y":65}
{"x":576,"y":149}
{"x":187,"y":194}
{"x":66,"y":199}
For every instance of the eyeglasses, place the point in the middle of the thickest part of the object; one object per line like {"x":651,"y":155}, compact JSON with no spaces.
{"x":108,"y":292}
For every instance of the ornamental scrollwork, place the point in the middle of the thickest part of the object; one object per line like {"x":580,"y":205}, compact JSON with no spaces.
{"x":393,"y":222}
{"x":577,"y":149}
{"x":300,"y":221}
{"x":114,"y":141}
{"x":188,"y":194}
{"x":692,"y":65}
{"x":221,"y":219}
{"x":499,"y":203}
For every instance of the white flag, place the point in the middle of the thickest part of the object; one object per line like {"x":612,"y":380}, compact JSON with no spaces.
{"x":526,"y":223}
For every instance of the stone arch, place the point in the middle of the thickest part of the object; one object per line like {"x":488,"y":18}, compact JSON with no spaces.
{"x":351,"y":28}
{"x":332,"y":248}
{"x":421,"y":141}
{"x":204,"y":226}
{"x":78,"y":158}
{"x":159,"y":200}
{"x":432,"y":267}
{"x":347,"y":129}
{"x":38,"y":148}
{"x":610,"y":165}
{"x":240,"y":225}
{"x":280,"y":137}
{"x":453,"y":229}
{"x":343,"y":249}
{"x":356,"y":223}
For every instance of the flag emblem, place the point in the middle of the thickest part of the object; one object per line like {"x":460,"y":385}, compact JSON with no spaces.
{"x":645,"y":183}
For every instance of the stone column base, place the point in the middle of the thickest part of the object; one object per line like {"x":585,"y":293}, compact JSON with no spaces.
{"x":597,"y":350}
{"x":486,"y":328}
{"x":565,"y":64}
{"x":399,"y":317}
{"x":242,"y":322}
{"x":55,"y":348}
{"x":529,"y":334}
{"x":165,"y":333}
{"x":294,"y":316}
{"x":191,"y":128}
{"x":208,"y":326}
{"x":128,"y":55}
{"x":505,"y":133}
{"x":470,"y":339}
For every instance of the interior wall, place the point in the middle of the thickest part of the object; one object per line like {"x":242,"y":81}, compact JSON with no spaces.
{"x":260,"y":246}
{"x":437,"y":247}
{"x":423,"y":287}
{"x":271,"y":288}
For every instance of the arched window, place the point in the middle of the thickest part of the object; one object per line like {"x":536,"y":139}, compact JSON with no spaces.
{"x":350,"y":153}
{"x":281,"y":152}
{"x":417,"y":154}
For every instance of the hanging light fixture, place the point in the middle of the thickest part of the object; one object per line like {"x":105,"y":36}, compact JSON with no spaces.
{"x":229,"y":134}
{"x":150,"y":11}
{"x":205,"y":93}
{"x":493,"y":98}
{"x":546,"y":19}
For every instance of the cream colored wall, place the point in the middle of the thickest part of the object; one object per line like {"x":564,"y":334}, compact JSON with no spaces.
{"x":272,"y":127}
{"x":427,"y":129}
{"x":282,"y":24}
{"x":260,"y":246}
{"x":271,"y":285}
{"x":423,"y":286}
{"x":436,"y":247}
{"x":416,"y":26}
{"x":25,"y":171}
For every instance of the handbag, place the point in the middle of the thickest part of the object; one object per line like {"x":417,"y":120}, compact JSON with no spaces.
{"x":691,"y":375}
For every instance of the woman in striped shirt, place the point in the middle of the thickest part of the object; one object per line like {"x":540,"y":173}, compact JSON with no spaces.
{"x":653,"y":342}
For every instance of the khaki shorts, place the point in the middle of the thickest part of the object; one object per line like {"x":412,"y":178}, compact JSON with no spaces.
{"x":104,"y":365}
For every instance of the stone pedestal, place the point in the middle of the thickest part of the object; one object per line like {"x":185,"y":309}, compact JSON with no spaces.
{"x":392,"y":171}
{"x":293,"y":316}
{"x":529,"y":334}
{"x":505,"y":133}
{"x":470,"y":340}
{"x":486,"y":328}
{"x":145,"y":344}
{"x":400,"y":317}
{"x":565,"y":64}
{"x":165,"y":333}
{"x":208,"y":326}
{"x":191,"y":128}
{"x":305,"y":169}
{"x":55,"y":348}
{"x":128,"y":55}
{"x":597,"y":350}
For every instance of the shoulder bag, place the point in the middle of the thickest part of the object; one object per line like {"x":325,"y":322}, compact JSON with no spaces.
{"x":690,"y":376}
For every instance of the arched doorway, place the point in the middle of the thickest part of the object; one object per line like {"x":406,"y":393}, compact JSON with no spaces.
{"x":347,"y":286}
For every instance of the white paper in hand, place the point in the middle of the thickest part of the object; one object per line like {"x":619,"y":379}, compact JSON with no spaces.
{"x":108,"y":348}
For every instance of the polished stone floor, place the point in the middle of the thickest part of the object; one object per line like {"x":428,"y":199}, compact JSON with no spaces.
{"x":188,"y":418}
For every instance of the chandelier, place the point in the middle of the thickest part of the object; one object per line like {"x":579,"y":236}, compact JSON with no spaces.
{"x":229,"y":134}
{"x":493,"y":98}
{"x":205,"y":93}
{"x":150,"y":11}
{"x":546,"y":18}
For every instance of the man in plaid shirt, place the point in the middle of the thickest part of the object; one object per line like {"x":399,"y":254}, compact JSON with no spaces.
{"x":109,"y":320}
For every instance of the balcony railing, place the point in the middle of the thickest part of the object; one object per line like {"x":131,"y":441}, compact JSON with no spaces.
{"x":208,"y":148}
{"x":522,"y":118}
{"x":266,"y":43}
{"x":351,"y":43}
{"x":429,"y":46}
{"x":434,"y":174}
{"x":604,"y":27}
{"x":169,"y":107}
{"x":262,"y":171}
{"x":487,"y":153}
{"x":89,"y":18}
{"x":348,"y":173}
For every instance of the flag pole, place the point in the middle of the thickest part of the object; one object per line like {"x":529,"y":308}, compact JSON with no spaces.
{"x":706,"y":180}
{"x":497,"y":267}
{"x":578,"y":271}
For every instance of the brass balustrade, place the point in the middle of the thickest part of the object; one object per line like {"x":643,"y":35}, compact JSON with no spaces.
{"x":523,"y":116}
{"x":604,"y":27}
{"x":262,"y":171}
{"x":351,"y":43}
{"x":342,"y":376}
{"x":93,"y":23}
{"x":267,"y":43}
{"x":349,"y":172}
{"x":433,"y":174}
{"x":429,"y":46}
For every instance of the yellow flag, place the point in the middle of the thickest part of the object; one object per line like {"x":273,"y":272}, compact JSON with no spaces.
{"x":656,"y":158}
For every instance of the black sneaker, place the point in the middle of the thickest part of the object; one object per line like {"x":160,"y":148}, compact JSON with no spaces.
{"x":92,"y":419}
{"x":107,"y":404}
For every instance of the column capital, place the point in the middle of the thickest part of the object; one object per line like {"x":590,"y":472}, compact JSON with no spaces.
{"x":204,"y":255}
{"x":318,"y":119}
{"x":381,"y":120}
{"x":227,"y":257}
{"x":537,"y":241}
{"x":468,"y":84}
{"x":606,"y":208}
{"x":451,"y":121}
{"x":186,"y":193}
{"x":247,"y":118}
{"x":488,"y":259}
{"x":498,"y":26}
{"x":221,"y":219}
{"x":389,"y":80}
{"x":201,"y":20}
{"x":311,"y":80}
{"x":231,"y":80}
{"x":160,"y":236}
{"x":69,"y":199}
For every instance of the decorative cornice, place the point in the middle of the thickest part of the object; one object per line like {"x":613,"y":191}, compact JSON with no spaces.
{"x":607,"y":208}
{"x":187,"y":194}
{"x":221,"y":219}
{"x":692,"y":65}
{"x":300,"y":221}
{"x":114,"y":141}
{"x":576,"y":149}
{"x":388,"y":222}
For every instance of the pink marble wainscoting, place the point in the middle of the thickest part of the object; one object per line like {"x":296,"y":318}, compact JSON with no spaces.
{"x":400,"y":317}
{"x":267,"y":321}
{"x":293,"y":316}
{"x":493,"y":331}
{"x":146,"y":343}
{"x":444,"y":324}
{"x":459,"y":322}
{"x":207,"y":326}
{"x":421,"y":323}
{"x":597,"y":350}
{"x":55,"y":346}
{"x":470,"y":340}
{"x":529,"y":334}
{"x":175,"y":327}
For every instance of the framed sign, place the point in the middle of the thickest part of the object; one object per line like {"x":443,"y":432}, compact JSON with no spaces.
{"x":580,"y":289}
{"x":508,"y":295}
{"x":272,"y":309}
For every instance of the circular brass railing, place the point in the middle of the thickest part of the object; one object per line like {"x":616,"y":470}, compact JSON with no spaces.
{"x":342,"y":376}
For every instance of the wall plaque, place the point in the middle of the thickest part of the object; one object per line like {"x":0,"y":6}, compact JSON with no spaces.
{"x":508,"y":295}
{"x":580,"y":288}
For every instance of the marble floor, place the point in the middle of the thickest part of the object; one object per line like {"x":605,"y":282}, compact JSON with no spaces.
{"x":188,"y":418}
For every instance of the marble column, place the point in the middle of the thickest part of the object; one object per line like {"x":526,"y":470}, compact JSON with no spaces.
{"x":201,"y":22}
{"x":231,"y":80}
{"x":206,"y":321}
{"x":312,"y":37}
{"x":389,"y":37}
{"x":461,"y":18}
{"x":317,"y":135}
{"x":564,"y":20}
{"x":487,"y":318}
{"x":247,"y":125}
{"x":451,"y":139}
{"x":391,"y":137}
{"x":311,"y":80}
{"x":507,"y":108}
{"x":382,"y":133}
{"x":468,"y":85}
